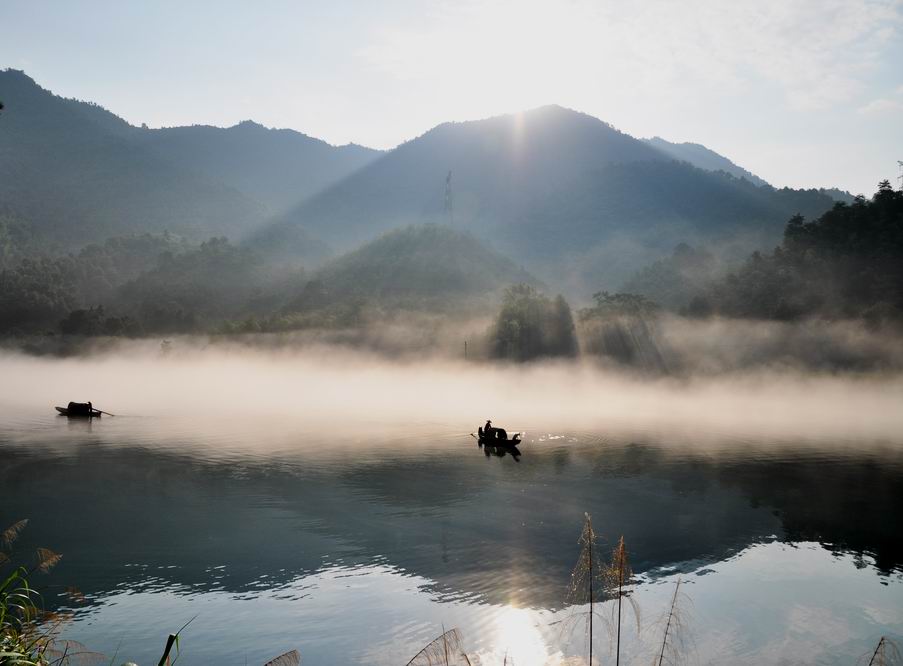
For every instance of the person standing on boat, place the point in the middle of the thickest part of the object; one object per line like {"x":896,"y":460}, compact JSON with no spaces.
{"x":487,"y":429}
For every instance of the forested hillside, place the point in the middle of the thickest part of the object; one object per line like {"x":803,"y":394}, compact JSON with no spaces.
{"x":847,"y":263}
{"x":674,"y":281}
{"x":580,"y":201}
{"x":70,"y":170}
{"x":157,"y":284}
{"x":277,"y":167}
{"x":428,"y":268}
{"x":429,"y":262}
{"x":74,"y":173}
{"x":702,"y":157}
{"x":36,"y":293}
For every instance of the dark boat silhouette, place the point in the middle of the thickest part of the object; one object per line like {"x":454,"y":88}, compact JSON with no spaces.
{"x":497,"y":437}
{"x":81,"y":410}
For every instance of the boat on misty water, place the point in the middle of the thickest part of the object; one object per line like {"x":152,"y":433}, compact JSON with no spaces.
{"x":84,"y":410}
{"x":497,"y":437}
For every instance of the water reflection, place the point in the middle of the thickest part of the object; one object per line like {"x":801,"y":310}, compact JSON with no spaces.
{"x":771,"y":603}
{"x":501,"y":450}
{"x":385,"y":537}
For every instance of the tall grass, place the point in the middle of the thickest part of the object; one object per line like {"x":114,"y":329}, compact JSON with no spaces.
{"x":618,"y":577}
{"x":26,"y":632}
{"x":673,"y":645}
{"x":886,"y":653}
{"x":29,"y":636}
{"x":586,"y":584}
{"x":444,"y":650}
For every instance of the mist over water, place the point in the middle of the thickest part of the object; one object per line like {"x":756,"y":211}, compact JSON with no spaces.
{"x":348,"y":390}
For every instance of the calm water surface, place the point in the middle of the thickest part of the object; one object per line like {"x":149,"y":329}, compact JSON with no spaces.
{"x":358,"y":549}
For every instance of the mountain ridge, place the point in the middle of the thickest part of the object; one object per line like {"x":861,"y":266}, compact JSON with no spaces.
{"x":559,"y":187}
{"x":78,"y":173}
{"x":704,"y":158}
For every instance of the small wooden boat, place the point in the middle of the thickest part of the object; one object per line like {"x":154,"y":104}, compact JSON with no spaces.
{"x":497,"y":437}
{"x":80,"y":410}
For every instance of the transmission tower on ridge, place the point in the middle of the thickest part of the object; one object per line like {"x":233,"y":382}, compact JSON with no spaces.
{"x":449,"y":209}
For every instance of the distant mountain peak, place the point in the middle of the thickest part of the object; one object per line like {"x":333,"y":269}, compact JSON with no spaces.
{"x":10,"y":72}
{"x":703,"y":158}
{"x":249,"y":124}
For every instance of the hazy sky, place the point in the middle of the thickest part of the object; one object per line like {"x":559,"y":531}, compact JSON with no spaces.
{"x":801,"y":92}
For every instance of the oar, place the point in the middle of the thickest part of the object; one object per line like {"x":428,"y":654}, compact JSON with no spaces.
{"x":107,"y":413}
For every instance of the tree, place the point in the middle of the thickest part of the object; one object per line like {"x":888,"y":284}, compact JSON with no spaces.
{"x":618,"y":577}
{"x":530,"y":325}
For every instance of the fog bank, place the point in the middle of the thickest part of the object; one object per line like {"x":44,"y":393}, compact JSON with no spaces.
{"x":327,"y":386}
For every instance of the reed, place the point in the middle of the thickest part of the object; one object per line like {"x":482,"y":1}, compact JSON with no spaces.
{"x":618,"y":578}
{"x":444,"y":650}
{"x":673,"y":645}
{"x":26,"y":631}
{"x":587,"y":578}
{"x":172,"y":641}
{"x":886,"y":653}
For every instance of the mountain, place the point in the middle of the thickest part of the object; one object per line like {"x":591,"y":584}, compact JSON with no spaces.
{"x":581,"y":203}
{"x":278,"y":167}
{"x":702,"y":157}
{"x":499,"y":167}
{"x":72,"y":171}
{"x":707,"y":159}
{"x":425,"y":266}
{"x":575,"y":199}
{"x":79,"y":173}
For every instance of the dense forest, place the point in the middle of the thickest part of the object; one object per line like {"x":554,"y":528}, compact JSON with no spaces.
{"x":37,"y":292}
{"x":845,"y":264}
{"x":160,"y":284}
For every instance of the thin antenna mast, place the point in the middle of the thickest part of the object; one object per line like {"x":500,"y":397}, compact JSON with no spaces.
{"x":449,"y":209}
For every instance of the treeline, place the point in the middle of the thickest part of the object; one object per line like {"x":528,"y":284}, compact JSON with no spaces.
{"x":160,"y":285}
{"x":135,"y":285}
{"x":846,"y":264}
{"x":37,"y":291}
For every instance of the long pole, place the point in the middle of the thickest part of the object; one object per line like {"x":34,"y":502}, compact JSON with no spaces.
{"x":661,"y":655}
{"x":620,"y":580}
{"x":875,"y":653}
{"x":591,"y":574}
